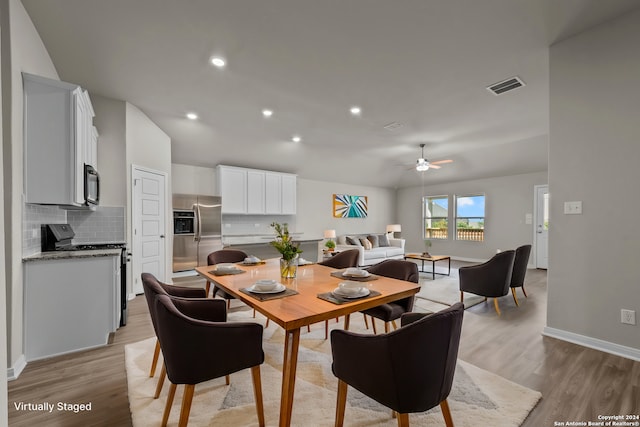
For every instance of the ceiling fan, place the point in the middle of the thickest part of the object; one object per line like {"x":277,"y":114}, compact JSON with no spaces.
{"x":423,"y":165}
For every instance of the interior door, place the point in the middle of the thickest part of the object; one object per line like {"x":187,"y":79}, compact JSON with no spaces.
{"x":149,"y":226}
{"x":542,"y":226}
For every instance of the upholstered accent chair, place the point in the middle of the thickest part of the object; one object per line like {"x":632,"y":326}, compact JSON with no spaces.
{"x":520,"y":270}
{"x":390,"y":312}
{"x":407,"y":370}
{"x":218,"y":257}
{"x":199,"y":350}
{"x":153,"y":287}
{"x":490,"y":279}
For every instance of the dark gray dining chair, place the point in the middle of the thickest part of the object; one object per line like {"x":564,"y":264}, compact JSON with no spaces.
{"x":407,"y":370}
{"x":520,"y":270}
{"x":490,"y":279}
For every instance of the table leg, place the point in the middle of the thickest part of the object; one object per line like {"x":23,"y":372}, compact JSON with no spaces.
{"x":449,"y":273}
{"x":433,"y":270}
{"x":289,"y":365}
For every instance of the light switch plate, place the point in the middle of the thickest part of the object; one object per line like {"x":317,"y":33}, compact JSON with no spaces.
{"x":573,"y":208}
{"x":528,"y":219}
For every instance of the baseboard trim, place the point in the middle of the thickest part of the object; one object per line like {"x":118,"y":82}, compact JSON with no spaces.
{"x":594,"y":343}
{"x":456,"y":258}
{"x":14,"y":372}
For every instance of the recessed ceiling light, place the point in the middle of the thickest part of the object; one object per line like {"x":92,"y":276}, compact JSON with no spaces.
{"x":296,"y":138}
{"x":192,"y":116}
{"x":218,"y":61}
{"x":267,"y":113}
{"x":355,"y":110}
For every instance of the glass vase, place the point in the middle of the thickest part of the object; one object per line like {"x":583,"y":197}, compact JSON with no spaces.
{"x":288,"y":268}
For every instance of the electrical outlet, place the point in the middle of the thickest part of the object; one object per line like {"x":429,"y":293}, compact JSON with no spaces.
{"x":628,"y":317}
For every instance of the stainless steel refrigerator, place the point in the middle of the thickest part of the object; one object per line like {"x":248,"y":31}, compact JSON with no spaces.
{"x":197,"y":225}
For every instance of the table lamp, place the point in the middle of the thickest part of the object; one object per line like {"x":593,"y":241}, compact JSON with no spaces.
{"x":392,"y":228}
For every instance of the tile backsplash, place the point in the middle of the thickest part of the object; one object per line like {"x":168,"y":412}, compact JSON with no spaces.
{"x":105,"y":224}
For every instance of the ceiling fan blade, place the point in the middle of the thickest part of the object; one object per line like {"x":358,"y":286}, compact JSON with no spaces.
{"x":433,"y":166}
{"x":441,"y":162}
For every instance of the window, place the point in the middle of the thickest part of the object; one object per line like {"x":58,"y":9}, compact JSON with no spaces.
{"x":436,"y":217}
{"x":470,"y":217}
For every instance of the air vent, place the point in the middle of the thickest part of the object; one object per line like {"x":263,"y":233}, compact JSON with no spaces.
{"x":393,"y":126}
{"x":505,"y":85}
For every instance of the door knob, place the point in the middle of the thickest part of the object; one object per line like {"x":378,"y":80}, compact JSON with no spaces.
{"x":162,"y":236}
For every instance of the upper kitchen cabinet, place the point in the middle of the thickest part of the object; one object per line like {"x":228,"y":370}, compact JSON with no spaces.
{"x":256,"y":192}
{"x":59,"y":139}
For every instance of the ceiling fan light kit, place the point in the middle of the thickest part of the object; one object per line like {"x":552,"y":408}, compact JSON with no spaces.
{"x":423,"y":165}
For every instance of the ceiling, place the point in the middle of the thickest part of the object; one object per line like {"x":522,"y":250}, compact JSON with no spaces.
{"x":424,"y":64}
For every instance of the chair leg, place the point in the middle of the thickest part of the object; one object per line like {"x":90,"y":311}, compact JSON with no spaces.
{"x":515,"y":298}
{"x":395,"y":326}
{"x":495,"y":302}
{"x":163,"y":374}
{"x":167,"y":406}
{"x":266,"y":325}
{"x":373,"y":325}
{"x":228,"y":304}
{"x":386,"y":327}
{"x":461,"y":296}
{"x":326,"y":329}
{"x":206,"y":288}
{"x":341,"y":403}
{"x":227,"y":379}
{"x":403,"y":420}
{"x":187,"y":398}
{"x":257,"y":392}
{"x":524,"y":292}
{"x":366,"y":322}
{"x":347,"y":318}
{"x":254,"y":313}
{"x":444,"y":405}
{"x":154,"y":362}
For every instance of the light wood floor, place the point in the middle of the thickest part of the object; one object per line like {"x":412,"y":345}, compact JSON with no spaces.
{"x":577,"y":383}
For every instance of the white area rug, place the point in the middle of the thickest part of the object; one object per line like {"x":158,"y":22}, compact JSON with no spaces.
{"x":444,"y":291}
{"x":478,"y":397}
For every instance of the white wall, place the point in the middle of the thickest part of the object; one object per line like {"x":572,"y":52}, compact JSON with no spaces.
{"x":594,"y":152}
{"x":508,"y":200}
{"x":187,"y":179}
{"x":27,"y":53}
{"x":314,"y":203}
{"x":148,"y":146}
{"x":4,"y":404}
{"x":110,"y":120}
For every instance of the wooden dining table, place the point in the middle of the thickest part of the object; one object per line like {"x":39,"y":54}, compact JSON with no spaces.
{"x":304,"y":308}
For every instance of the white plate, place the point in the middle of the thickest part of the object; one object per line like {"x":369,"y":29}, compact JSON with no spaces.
{"x":364,"y":274}
{"x":304,"y":262}
{"x":363,"y":293}
{"x":279,"y":288}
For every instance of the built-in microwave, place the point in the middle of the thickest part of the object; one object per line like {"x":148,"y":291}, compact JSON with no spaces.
{"x":91,"y":186}
{"x":184,"y":222}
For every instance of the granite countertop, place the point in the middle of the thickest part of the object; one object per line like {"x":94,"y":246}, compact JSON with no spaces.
{"x":43,"y":256}
{"x":260,"y":239}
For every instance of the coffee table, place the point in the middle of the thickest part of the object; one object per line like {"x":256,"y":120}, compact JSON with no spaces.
{"x":433,"y":259}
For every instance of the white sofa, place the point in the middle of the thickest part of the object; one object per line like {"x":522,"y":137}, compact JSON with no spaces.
{"x":395,"y":250}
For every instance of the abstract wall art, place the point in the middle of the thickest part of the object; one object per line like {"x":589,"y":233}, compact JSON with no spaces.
{"x":346,"y":206}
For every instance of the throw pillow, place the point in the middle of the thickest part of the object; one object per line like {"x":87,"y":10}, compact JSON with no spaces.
{"x":366,"y":244}
{"x":374,"y":240}
{"x":353,"y":241}
{"x":341,"y":240}
{"x":383,"y":240}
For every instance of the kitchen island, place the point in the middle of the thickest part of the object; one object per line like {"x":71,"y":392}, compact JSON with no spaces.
{"x":258,"y":245}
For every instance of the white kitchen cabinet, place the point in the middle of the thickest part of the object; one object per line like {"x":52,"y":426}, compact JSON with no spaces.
{"x":232,"y":187}
{"x":273,"y":191}
{"x":289,"y":191}
{"x":256,"y":196}
{"x":58,"y":141}
{"x":256,"y":192}
{"x":70,"y":304}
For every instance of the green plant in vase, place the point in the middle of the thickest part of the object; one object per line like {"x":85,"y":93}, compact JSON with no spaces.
{"x":330,"y":245}
{"x":287,"y":248}
{"x":427,"y":245}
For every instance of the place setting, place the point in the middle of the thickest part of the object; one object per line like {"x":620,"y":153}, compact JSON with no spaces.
{"x":354,"y":274}
{"x":267,"y":289}
{"x":252,"y":260}
{"x":226,"y":269}
{"x":348,"y":291}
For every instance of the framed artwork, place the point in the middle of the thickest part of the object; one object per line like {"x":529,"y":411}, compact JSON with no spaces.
{"x":346,"y":206}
